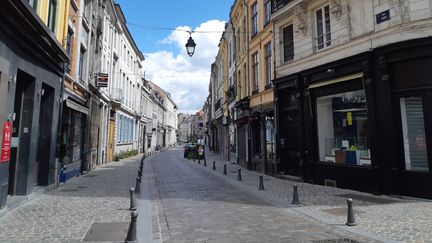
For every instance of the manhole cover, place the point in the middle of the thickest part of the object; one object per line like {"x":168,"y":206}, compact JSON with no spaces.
{"x":90,"y":175}
{"x":69,"y":190}
{"x":342,"y":240}
{"x":368,"y":198}
{"x":107,"y":232}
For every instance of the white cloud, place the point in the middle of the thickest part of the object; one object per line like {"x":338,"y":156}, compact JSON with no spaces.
{"x":186,"y":78}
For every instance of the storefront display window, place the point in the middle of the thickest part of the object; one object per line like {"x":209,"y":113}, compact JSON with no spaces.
{"x":270,"y":137}
{"x":414,"y":137}
{"x":342,"y":128}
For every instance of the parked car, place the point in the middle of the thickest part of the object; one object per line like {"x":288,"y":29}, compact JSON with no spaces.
{"x":190,"y":151}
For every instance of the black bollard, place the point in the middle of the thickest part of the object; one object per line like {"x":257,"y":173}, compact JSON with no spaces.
{"x":138,"y":186}
{"x":132,"y":231}
{"x":225,"y":172}
{"x":139,"y":173}
{"x":133,"y":205}
{"x":350,"y":217}
{"x":199,"y":161}
{"x":239,"y":178}
{"x":295,"y":199}
{"x":193,"y":159}
{"x":261,"y":183}
{"x":205,"y":163}
{"x":214,"y":165}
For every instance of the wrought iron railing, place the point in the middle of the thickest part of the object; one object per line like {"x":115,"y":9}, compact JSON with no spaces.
{"x":278,"y":4}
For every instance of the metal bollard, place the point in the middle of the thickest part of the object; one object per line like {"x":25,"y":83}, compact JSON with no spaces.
{"x":350,"y":217}
{"x":214,"y":165}
{"x":239,"y":178}
{"x":295,"y":199}
{"x":199,"y":161}
{"x":133,"y":205}
{"x":138,"y":186}
{"x":261,"y":183}
{"x":132,"y":231}
{"x":205,"y":163}
{"x":139,"y":173}
{"x":225,"y":172}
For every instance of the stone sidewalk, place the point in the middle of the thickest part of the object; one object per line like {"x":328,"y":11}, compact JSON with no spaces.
{"x":385,"y":218}
{"x":67,"y":213}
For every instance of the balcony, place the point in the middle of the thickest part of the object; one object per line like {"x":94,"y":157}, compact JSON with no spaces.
{"x":279,"y":4}
{"x":117,"y":95}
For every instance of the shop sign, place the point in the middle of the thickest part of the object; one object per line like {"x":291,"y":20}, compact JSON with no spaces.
{"x":102,"y":80}
{"x":6,"y":142}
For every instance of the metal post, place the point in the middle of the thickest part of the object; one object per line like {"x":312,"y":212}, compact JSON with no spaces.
{"x":214,"y":165}
{"x":132,"y":231}
{"x":239,"y":177}
{"x":133,"y":205}
{"x":224,"y":171}
{"x":205,"y":163}
{"x":350,"y":217}
{"x":295,"y":199}
{"x":199,"y":161}
{"x":261,"y":183}
{"x":138,"y":186}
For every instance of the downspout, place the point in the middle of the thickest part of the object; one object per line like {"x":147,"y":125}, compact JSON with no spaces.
{"x":59,"y":133}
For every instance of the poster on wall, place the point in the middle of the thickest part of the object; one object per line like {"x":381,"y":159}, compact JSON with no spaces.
{"x":6,"y":142}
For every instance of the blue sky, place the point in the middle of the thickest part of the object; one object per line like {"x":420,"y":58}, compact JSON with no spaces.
{"x":166,"y":61}
{"x":171,"y":14}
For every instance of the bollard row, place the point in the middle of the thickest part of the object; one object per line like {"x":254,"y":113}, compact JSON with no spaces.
{"x":295,"y":197}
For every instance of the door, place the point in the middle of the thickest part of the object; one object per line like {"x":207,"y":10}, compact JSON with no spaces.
{"x":21,"y":134}
{"x":111,"y":140}
{"x":44,"y":136}
{"x":289,"y":142}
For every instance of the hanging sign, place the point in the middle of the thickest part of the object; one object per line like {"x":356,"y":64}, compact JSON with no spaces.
{"x":102,"y":80}
{"x":6,"y":142}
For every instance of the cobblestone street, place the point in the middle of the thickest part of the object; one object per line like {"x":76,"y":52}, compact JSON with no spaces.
{"x":197,"y":205}
{"x":66,"y":214}
{"x":193,"y":203}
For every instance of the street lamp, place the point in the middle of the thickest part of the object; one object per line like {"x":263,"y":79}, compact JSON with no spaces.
{"x":190,"y":45}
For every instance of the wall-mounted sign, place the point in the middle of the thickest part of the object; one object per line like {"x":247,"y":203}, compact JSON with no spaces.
{"x":6,"y":142}
{"x":102,"y":80}
{"x":383,"y":16}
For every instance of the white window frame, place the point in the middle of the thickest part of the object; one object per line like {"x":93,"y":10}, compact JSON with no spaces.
{"x":326,"y":32}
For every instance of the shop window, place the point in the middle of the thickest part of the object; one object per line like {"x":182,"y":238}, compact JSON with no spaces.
{"x":342,"y":128}
{"x":414,"y":137}
{"x":270,"y":137}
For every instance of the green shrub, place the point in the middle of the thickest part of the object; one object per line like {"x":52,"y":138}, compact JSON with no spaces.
{"x":125,"y":154}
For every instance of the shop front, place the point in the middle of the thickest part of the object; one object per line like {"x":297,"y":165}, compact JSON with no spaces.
{"x":72,"y":140}
{"x":405,"y":119}
{"x":361,"y":122}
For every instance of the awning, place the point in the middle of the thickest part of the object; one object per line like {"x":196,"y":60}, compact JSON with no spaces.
{"x":77,"y":107}
{"x":337,"y":80}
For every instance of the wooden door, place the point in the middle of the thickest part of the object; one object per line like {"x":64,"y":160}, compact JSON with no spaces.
{"x":111,"y":140}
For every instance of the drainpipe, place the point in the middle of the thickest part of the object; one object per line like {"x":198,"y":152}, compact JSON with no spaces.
{"x":59,"y":133}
